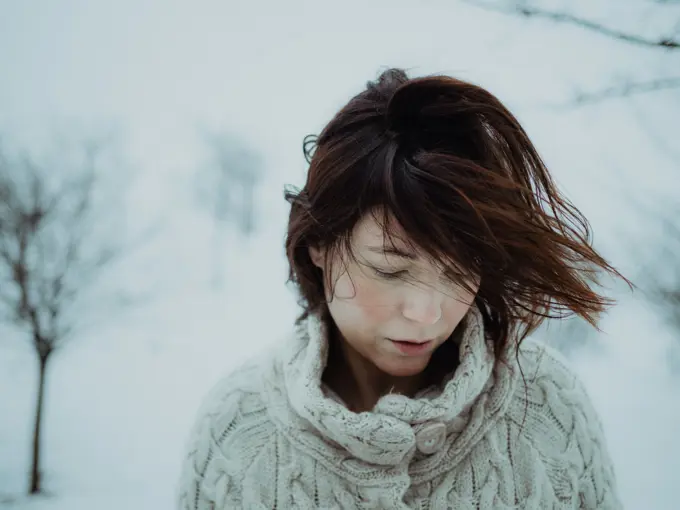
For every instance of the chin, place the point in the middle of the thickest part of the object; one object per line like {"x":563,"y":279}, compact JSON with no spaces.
{"x":404,"y":367}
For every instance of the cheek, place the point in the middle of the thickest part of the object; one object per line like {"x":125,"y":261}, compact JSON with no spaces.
{"x":368,"y":299}
{"x":457,"y":306}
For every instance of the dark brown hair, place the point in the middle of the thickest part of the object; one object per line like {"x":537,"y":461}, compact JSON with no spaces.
{"x":457,"y":171}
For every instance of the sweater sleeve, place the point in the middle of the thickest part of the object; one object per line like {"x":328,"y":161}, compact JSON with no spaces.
{"x":216,"y":453}
{"x":201,"y":475}
{"x":597,"y":484}
{"x":569,"y":403}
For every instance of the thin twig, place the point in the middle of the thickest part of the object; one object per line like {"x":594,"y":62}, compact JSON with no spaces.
{"x":627,"y":90}
{"x":614,"y":92}
{"x":666,"y":43}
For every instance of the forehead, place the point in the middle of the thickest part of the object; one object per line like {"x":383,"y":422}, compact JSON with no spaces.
{"x":370,"y":232}
{"x":370,"y":238}
{"x":374,"y":236}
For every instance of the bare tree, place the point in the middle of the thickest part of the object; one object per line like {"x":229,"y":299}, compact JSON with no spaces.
{"x":659,"y":273}
{"x":667,"y":43}
{"x":659,"y":277}
{"x":52,"y":252}
{"x":226,"y":187}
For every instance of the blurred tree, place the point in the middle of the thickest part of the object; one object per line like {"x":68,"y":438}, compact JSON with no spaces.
{"x":667,"y":42}
{"x":659,"y":272}
{"x":55,"y":243}
{"x":226,"y":187}
{"x":659,"y":276}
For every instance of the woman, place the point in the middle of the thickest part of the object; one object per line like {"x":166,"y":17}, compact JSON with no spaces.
{"x":428,"y":242}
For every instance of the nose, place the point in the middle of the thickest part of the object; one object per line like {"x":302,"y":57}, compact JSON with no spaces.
{"x":423,"y":305}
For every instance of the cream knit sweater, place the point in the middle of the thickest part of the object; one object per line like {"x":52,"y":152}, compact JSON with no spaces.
{"x":271,"y":436}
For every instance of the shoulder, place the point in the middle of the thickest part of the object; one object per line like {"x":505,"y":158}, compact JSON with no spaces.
{"x":541,"y":363}
{"x":244,"y":383}
{"x":549,"y":385}
{"x":549,"y":378}
{"x":230,"y":429}
{"x":557,"y":417}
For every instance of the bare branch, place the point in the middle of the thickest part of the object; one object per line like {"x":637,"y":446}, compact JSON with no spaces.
{"x":665,"y":43}
{"x":50,"y":248}
{"x":626,"y":90}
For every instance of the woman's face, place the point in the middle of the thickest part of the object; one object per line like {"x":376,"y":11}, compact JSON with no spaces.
{"x":385,"y":297}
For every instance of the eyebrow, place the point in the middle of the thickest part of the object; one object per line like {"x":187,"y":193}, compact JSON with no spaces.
{"x":384,"y":250}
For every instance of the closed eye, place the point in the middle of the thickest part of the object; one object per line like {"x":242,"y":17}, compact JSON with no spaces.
{"x":458,"y":280}
{"x":389,"y":276}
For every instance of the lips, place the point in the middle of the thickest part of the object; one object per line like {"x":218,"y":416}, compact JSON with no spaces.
{"x":412,"y":347}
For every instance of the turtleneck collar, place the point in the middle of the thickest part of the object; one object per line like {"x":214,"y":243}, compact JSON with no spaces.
{"x":390,"y":433}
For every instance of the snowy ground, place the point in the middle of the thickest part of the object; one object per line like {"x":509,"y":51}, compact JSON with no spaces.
{"x":119,"y":406}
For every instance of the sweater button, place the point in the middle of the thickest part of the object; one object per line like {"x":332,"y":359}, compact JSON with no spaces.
{"x":431,"y":438}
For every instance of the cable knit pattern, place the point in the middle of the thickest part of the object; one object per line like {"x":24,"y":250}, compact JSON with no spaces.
{"x":271,"y":436}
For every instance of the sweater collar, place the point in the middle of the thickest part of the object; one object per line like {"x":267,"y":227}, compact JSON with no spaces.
{"x":390,"y":432}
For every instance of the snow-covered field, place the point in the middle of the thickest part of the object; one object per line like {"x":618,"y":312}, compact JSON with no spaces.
{"x":119,"y":407}
{"x":120,"y":403}
{"x":121,"y":400}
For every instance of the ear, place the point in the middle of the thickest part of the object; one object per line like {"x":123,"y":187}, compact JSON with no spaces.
{"x":318,"y":256}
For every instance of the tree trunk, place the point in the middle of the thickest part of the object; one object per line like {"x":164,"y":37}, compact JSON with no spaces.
{"x":35,"y":468}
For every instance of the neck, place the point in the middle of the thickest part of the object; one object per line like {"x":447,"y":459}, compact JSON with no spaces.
{"x":367,"y":383}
